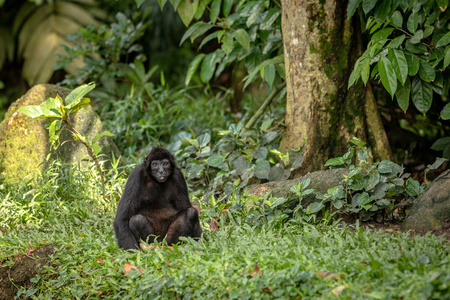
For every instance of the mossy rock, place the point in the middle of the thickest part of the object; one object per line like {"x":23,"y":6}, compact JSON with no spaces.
{"x":24,"y":142}
{"x":432,"y":209}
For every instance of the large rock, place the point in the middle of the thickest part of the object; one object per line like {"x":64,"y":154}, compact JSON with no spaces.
{"x":321,"y":181}
{"x":432,"y":208}
{"x":24,"y":143}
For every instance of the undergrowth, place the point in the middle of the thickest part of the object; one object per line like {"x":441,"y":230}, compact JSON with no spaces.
{"x":241,"y":260}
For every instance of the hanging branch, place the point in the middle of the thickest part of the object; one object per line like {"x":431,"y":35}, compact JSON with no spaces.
{"x":263,"y":107}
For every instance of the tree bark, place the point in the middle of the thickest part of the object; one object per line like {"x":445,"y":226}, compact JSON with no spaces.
{"x":320,"y":49}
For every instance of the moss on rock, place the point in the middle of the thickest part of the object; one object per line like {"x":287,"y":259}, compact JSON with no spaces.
{"x":24,"y":142}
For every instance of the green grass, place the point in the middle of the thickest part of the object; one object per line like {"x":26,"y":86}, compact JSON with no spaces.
{"x":65,"y":207}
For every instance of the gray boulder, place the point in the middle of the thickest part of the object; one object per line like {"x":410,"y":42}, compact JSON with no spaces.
{"x":432,"y":209}
{"x":24,"y":142}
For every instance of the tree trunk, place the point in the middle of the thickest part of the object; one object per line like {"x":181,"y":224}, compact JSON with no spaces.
{"x":320,"y":49}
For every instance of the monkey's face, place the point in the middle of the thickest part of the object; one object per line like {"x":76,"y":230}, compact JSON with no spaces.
{"x":161,"y":169}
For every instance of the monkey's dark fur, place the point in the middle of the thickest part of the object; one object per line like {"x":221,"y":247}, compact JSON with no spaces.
{"x":155,"y":204}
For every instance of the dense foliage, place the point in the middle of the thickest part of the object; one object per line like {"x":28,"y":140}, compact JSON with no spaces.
{"x":64,"y":206}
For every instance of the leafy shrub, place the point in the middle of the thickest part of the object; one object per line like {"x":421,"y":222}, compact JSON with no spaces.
{"x":236,"y":160}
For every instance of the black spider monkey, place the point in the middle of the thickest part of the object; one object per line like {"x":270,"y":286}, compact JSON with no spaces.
{"x":155,"y":203}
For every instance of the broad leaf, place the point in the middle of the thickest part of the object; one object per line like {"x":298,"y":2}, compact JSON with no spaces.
{"x":195,"y":31}
{"x":78,"y":94}
{"x":443,"y":41}
{"x":417,"y":37}
{"x":445,"y":113}
{"x":242,"y":37}
{"x":412,"y":187}
{"x":204,"y":139}
{"x":186,"y":9}
{"x":421,"y":94}
{"x":446,"y":57}
{"x":413,"y":64}
{"x":402,"y":95}
{"x":215,"y":10}
{"x":226,"y":7}
{"x":262,"y":169}
{"x":335,"y":162}
{"x":193,"y":66}
{"x":426,"y":71}
{"x":351,"y":8}
{"x":314,"y":207}
{"x":399,"y":64}
{"x":387,"y":75}
{"x":208,"y":67}
{"x":227,"y":43}
{"x":100,"y":135}
{"x":269,"y":74}
{"x":397,"y":19}
{"x":216,"y":160}
{"x":367,"y":5}
{"x":441,"y":144}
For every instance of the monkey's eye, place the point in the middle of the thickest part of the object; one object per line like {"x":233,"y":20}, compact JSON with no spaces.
{"x":154,"y":164}
{"x":166,"y":164}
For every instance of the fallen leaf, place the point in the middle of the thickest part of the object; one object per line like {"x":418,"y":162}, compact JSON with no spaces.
{"x":197,"y":207}
{"x":267,"y":290}
{"x":145,"y":247}
{"x":328,"y":275}
{"x":128,"y":267}
{"x":338,"y":290}
{"x":256,"y":272}
{"x":213,"y":225}
{"x":99,"y":260}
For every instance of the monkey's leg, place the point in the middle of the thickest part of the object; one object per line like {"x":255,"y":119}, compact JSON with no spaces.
{"x":186,"y":224}
{"x":141,"y":228}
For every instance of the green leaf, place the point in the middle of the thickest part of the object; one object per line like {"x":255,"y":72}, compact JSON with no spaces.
{"x":396,"y":42}
{"x":100,"y":135}
{"x":412,"y":187}
{"x":139,"y":2}
{"x":314,"y":207}
{"x":193,"y":66}
{"x":439,"y":161}
{"x":262,"y":169}
{"x":356,"y":73}
{"x":413,"y":64}
{"x":381,"y":35}
{"x":80,"y":105}
{"x":269,"y":74}
{"x":216,"y":160}
{"x":279,"y":202}
{"x":428,"y":31}
{"x":368,"y":5}
{"x":204,"y":139}
{"x":397,"y":19}
{"x":208,"y":67}
{"x":215,"y":10}
{"x":441,"y":144}
{"x":240,"y":164}
{"x":162,"y":3}
{"x":335,"y":162}
{"x":402,"y":95}
{"x":387,"y":75}
{"x":426,"y":71}
{"x":365,"y":70}
{"x":271,"y":17}
{"x":195,"y":31}
{"x":399,"y":64}
{"x":193,"y":142}
{"x":445,"y":113}
{"x":227,"y":43}
{"x":351,"y":8}
{"x":363,"y":199}
{"x":421,"y":94}
{"x":388,"y":168}
{"x":413,"y":22}
{"x":242,"y":37}
{"x":77,"y":94}
{"x":446,"y":58}
{"x":186,"y":9}
{"x":443,"y":41}
{"x":417,"y":37}
{"x":226,"y":7}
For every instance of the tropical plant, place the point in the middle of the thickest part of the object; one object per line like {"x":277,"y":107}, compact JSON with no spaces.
{"x":409,"y":50}
{"x":60,"y":111}
{"x":40,"y":28}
